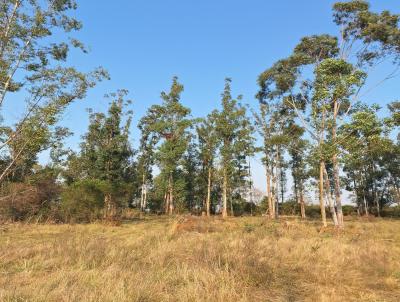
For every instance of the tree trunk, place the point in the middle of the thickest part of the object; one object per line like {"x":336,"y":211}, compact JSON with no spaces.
{"x":338,"y":193}
{"x":141,"y":199}
{"x":273,"y":190}
{"x":378,"y":210}
{"x":282,"y":186}
{"x":302,"y":204}
{"x":225,"y":195}
{"x":142,"y":193}
{"x":330,"y":201}
{"x":335,"y":163}
{"x":321,"y":193}
{"x":171,"y":203}
{"x":375,"y":192}
{"x":145,"y":198}
{"x":166,"y":203}
{"x":169,"y":197}
{"x":269,"y":193}
{"x":358,"y":196}
{"x":366,"y":206}
{"x":363,"y":184}
{"x":109,"y":207}
{"x":296,"y":191}
{"x":231,"y":202}
{"x":277,"y":182}
{"x":321,"y":171}
{"x":396,"y":189}
{"x":208,"y":200}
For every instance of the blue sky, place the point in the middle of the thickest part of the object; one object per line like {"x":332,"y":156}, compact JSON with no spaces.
{"x":143,"y":44}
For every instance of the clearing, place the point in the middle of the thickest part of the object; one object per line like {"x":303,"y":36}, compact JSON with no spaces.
{"x":199,"y":259}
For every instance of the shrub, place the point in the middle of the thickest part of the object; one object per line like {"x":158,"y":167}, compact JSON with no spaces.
{"x":314,"y":212}
{"x":19,"y":201}
{"x":289,"y":208}
{"x":83,"y":201}
{"x":349,"y":210}
{"x":34,"y":199}
{"x":392,"y":212}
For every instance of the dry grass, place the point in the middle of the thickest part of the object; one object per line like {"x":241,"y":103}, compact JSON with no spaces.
{"x":195,"y":259}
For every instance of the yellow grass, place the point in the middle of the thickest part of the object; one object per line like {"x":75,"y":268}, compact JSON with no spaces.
{"x":194,"y":259}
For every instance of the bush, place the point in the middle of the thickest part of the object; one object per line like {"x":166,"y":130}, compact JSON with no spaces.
{"x":83,"y":201}
{"x":241,"y":208}
{"x":34,"y":199}
{"x":314,"y":212}
{"x":392,"y":212}
{"x":349,"y":210}
{"x":19,"y":201}
{"x":290,"y":208}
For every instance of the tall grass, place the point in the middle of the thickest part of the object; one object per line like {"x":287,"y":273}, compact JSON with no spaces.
{"x":195,"y":259}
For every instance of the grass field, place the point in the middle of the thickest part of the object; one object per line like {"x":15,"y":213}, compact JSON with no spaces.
{"x":195,"y":259}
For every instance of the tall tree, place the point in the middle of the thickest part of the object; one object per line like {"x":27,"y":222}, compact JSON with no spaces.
{"x":298,"y":148}
{"x":208,"y":145}
{"x":234,"y":132}
{"x":367,"y":148}
{"x":106,"y":154}
{"x":283,"y":84}
{"x":191,"y":175}
{"x":340,"y":66}
{"x":335,"y":82}
{"x":145,"y":161}
{"x":170,"y":123}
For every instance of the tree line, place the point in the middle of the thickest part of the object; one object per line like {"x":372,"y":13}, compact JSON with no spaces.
{"x":308,"y":121}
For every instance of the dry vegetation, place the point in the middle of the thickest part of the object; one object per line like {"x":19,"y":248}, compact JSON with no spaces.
{"x":195,"y":259}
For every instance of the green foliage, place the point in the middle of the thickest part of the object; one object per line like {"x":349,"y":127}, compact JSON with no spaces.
{"x":391,"y":212}
{"x":235,"y":134}
{"x":172,"y":125}
{"x":208,"y":139}
{"x":106,"y":155}
{"x":289,"y":208}
{"x":313,"y":94}
{"x":378,"y":31}
{"x":335,"y":79}
{"x":349,"y":210}
{"x":371,"y":158}
{"x":167,"y":125}
{"x":83,"y":201}
{"x":35,"y":67}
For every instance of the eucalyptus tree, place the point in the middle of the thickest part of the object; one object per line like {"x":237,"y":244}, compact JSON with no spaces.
{"x":36,"y":134}
{"x":370,"y":160}
{"x":106,"y":154}
{"x":335,"y":82}
{"x":145,"y":161}
{"x":274,"y":122}
{"x":394,"y":119}
{"x":33,"y":66}
{"x":297,"y":149}
{"x":191,"y":168}
{"x":170,"y":123}
{"x":235,"y":134}
{"x":282,"y":84}
{"x":208,"y":144}
{"x":264,"y":125}
{"x":340,"y":67}
{"x":394,"y":170}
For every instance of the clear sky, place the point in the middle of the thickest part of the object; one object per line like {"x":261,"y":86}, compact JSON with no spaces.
{"x":144,"y":43}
